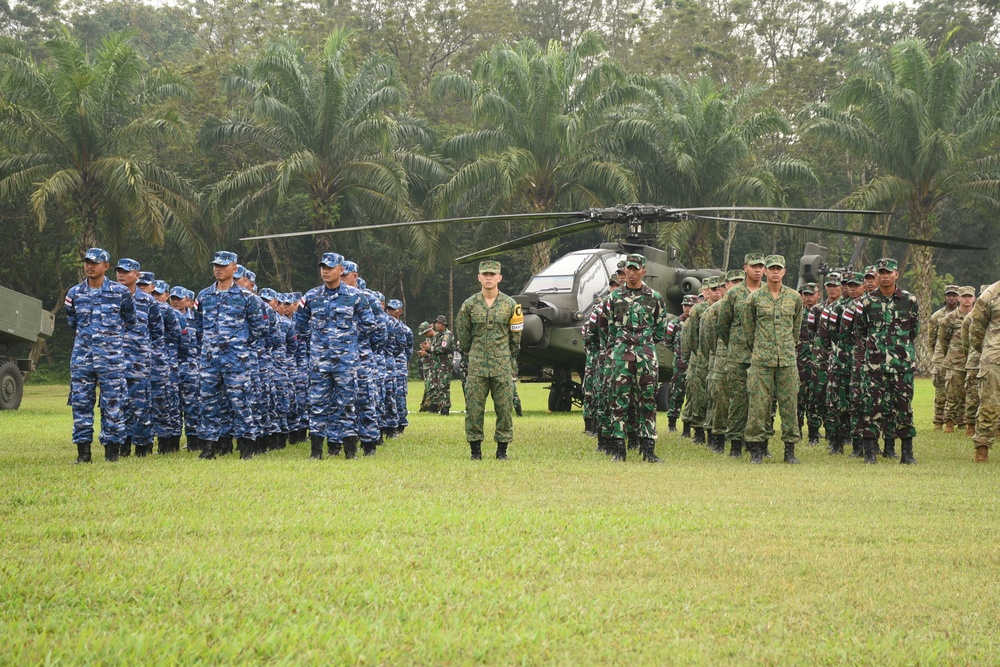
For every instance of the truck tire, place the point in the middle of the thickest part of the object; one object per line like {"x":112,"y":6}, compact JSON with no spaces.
{"x":11,"y":385}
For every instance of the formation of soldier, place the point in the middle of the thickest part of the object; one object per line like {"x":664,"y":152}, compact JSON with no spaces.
{"x":436,"y":352}
{"x":231,"y":363}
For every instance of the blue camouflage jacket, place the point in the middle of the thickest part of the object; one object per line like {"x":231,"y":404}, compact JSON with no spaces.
{"x":332,"y":320}
{"x":228,"y":322}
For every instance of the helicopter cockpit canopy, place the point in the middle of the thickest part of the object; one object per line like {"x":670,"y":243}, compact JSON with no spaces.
{"x":584,"y":273}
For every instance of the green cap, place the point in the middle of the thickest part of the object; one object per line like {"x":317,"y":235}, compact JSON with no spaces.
{"x":489,"y":266}
{"x":809,"y":288}
{"x":870,"y":271}
{"x":774,"y":260}
{"x":967,"y":290}
{"x":832,"y":278}
{"x":735,"y":274}
{"x":752,"y":258}
{"x":635,"y":260}
{"x":426,"y":328}
{"x":951,"y":289}
{"x":853,"y":277}
{"x":689,"y":300}
{"x":887,"y":264}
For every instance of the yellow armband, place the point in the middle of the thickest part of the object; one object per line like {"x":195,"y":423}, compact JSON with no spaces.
{"x":517,"y":319}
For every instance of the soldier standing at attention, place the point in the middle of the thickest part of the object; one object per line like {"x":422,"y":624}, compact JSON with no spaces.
{"x":972,"y":373}
{"x":442,"y":353}
{"x":886,"y":326}
{"x":950,"y":358}
{"x":697,"y":374}
{"x":807,"y":368}
{"x":489,"y":332}
{"x":425,"y":330}
{"x":940,"y":379}
{"x":402,"y":349}
{"x":774,"y":317}
{"x":98,"y":312}
{"x":678,"y":377}
{"x":984,"y":338}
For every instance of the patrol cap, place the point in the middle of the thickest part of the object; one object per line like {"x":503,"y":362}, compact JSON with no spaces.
{"x":395,"y":304}
{"x":715,"y":282}
{"x":190,"y":294}
{"x":735,"y":274}
{"x":331,"y":259}
{"x":161,"y":286}
{"x":381,"y":297}
{"x":127,"y":264}
{"x":809,"y":288}
{"x":296,"y":295}
{"x":268,"y":294}
{"x":832,"y":278}
{"x":951,"y":289}
{"x":489,"y":266}
{"x":442,"y":319}
{"x":887,"y":264}
{"x":224,"y":258}
{"x":362,"y":283}
{"x":621,"y":266}
{"x":146,"y":278}
{"x":752,"y":258}
{"x":97,"y":255}
{"x":251,"y":276}
{"x":178,"y":292}
{"x":854,"y":277}
{"x":423,"y":327}
{"x":689,"y":300}
{"x":870,"y":271}
{"x":350,"y":267}
{"x":241,"y":272}
{"x":286,"y":298}
{"x":635,"y":260}
{"x":967,"y":290}
{"x":774,"y":260}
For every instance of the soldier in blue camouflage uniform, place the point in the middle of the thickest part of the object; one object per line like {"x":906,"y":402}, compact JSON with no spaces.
{"x":165,"y":379}
{"x":635,"y":318}
{"x":139,"y":341}
{"x":679,"y":375}
{"x":228,"y":319}
{"x":333,"y":316}
{"x":98,"y":311}
{"x":187,"y":366}
{"x":369,"y":403}
{"x":886,"y":325}
{"x":300,"y":374}
{"x":259,"y":369}
{"x":401,"y":348}
{"x":282,"y":348}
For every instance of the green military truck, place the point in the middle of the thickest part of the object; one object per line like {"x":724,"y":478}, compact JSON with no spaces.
{"x":22,"y":321}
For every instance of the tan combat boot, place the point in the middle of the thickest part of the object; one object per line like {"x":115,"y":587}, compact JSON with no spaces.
{"x":949,"y":427}
{"x":970,"y":430}
{"x":982,"y":453}
{"x":937,"y":427}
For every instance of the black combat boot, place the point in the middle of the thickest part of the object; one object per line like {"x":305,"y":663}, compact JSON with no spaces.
{"x":720,"y":443}
{"x":765,"y":451}
{"x":708,"y":438}
{"x":589,"y":428}
{"x":125,"y":449}
{"x":686,"y":432}
{"x":141,"y":451}
{"x":672,"y":424}
{"x":648,"y":447}
{"x":162,"y":445}
{"x":699,"y":435}
{"x":207,"y":449}
{"x":518,"y":411}
{"x":502,"y":451}
{"x":813,"y":435}
{"x":351,"y":447}
{"x":617,"y":449}
{"x":736,"y":448}
{"x":333,"y":448}
{"x":633,"y":442}
{"x":316,"y":442}
{"x":906,"y":451}
{"x":790,"y":453}
{"x":82,"y":453}
{"x":837,"y":444}
{"x":602,"y":445}
{"x":175,"y":443}
{"x":476,"y":447}
{"x":870,"y":448}
{"x":111,"y":452}
{"x":369,"y":448}
{"x":225,"y":445}
{"x":445,"y":411}
{"x":890,"y":448}
{"x":857,"y":449}
{"x":756,"y":452}
{"x":246,"y":448}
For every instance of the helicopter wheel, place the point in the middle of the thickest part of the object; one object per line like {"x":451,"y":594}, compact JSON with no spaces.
{"x":663,"y":397}
{"x":560,"y":400}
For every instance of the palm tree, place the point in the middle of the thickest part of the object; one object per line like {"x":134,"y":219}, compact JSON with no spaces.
{"x":80,"y":132}
{"x":927,"y":134}
{"x":322,"y":128}
{"x":539,"y":143}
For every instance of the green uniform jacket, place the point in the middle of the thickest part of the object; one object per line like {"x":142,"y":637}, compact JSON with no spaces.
{"x":887,"y":328}
{"x":732,"y":325}
{"x":774,"y":326}
{"x":690,"y":340}
{"x":484,"y":333}
{"x":984,"y":332}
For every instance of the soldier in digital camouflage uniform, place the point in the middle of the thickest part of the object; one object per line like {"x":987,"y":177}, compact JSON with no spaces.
{"x":950,"y":358}
{"x":489,"y":333}
{"x":886,"y":324}
{"x":442,"y":352}
{"x":634,"y":318}
{"x":708,"y":343}
{"x":98,"y":312}
{"x":984,"y":338}
{"x":717,"y":416}
{"x":774,"y":316}
{"x":806,"y":363}
{"x":940,"y":379}
{"x":678,"y":377}
{"x":165,"y":382}
{"x":697,"y":373}
{"x":733,"y":330}
{"x":972,"y":400}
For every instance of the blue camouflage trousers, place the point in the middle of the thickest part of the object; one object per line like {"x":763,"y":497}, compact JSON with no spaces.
{"x":225,"y":395}
{"x":139,"y":412}
{"x":188,"y":390}
{"x":82,"y":396}
{"x":332,"y":403}
{"x":366,"y":404}
{"x":166,"y":397}
{"x":402,"y":387}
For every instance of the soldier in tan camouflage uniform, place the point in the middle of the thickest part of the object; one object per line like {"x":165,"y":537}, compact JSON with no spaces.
{"x":971,"y":374}
{"x":984,"y":337}
{"x":489,"y":333}
{"x":950,"y":358}
{"x":940,"y":379}
{"x":774,"y":317}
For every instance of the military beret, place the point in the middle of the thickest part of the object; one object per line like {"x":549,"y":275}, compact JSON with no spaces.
{"x":362,"y":283}
{"x":489,"y":266}
{"x":870,"y":271}
{"x":832,"y":278}
{"x":161,"y":286}
{"x":735,"y":274}
{"x":224,"y":258}
{"x":689,"y":300}
{"x":887,"y":264}
{"x":951,"y":289}
{"x":97,"y":255}
{"x":146,"y":278}
{"x":441,"y":319}
{"x":127,"y":264}
{"x":241,"y":272}
{"x":809,"y":288}
{"x":635,"y":260}
{"x":967,"y":290}
{"x":350,"y":267}
{"x":752,"y":258}
{"x":331,"y":259}
{"x":268,"y":294}
{"x":854,"y":277}
{"x":178,"y":292}
{"x":395,"y":304}
{"x":774,"y":260}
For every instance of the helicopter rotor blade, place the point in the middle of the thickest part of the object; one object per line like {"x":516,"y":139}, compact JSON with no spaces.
{"x":442,"y":221}
{"x":846,"y":232}
{"x":532,"y":239}
{"x":782,"y":209}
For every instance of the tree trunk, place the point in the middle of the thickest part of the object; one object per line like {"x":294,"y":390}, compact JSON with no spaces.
{"x":541,"y":256}
{"x":923,"y":280}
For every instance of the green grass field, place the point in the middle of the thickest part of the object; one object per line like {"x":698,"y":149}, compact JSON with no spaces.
{"x":557,"y":556}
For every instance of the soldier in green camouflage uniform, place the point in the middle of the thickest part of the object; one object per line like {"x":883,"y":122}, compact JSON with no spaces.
{"x":442,"y":352}
{"x":697,"y":375}
{"x":838,"y":368}
{"x":846,"y":396}
{"x":822,"y":353}
{"x":426,"y":331}
{"x":489,"y":332}
{"x":679,"y":375}
{"x":592,"y":365}
{"x":774,"y":316}
{"x":950,"y":358}
{"x":733,"y":331}
{"x":708,"y":341}
{"x":940,"y":379}
{"x":886,"y":325}
{"x":719,"y":387}
{"x":635,"y":320}
{"x":806,"y":364}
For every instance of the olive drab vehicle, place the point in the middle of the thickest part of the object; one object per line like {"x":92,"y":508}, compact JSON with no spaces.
{"x":22,"y":321}
{"x":557,"y":300}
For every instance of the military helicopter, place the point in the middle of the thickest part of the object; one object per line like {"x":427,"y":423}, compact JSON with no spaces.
{"x":558,"y":299}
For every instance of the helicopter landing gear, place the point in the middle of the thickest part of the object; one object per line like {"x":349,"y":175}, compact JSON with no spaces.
{"x":663,"y":397}
{"x":564,"y":392}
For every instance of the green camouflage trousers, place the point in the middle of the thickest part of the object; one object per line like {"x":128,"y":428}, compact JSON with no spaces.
{"x":440,"y":387}
{"x":632,"y":403}
{"x":940,"y":394}
{"x":765,"y":385}
{"x":477,"y":389}
{"x":677,"y":385}
{"x":697,"y":395}
{"x":954,"y":407}
{"x":719,"y":389}
{"x":739,"y":400}
{"x":989,"y":405}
